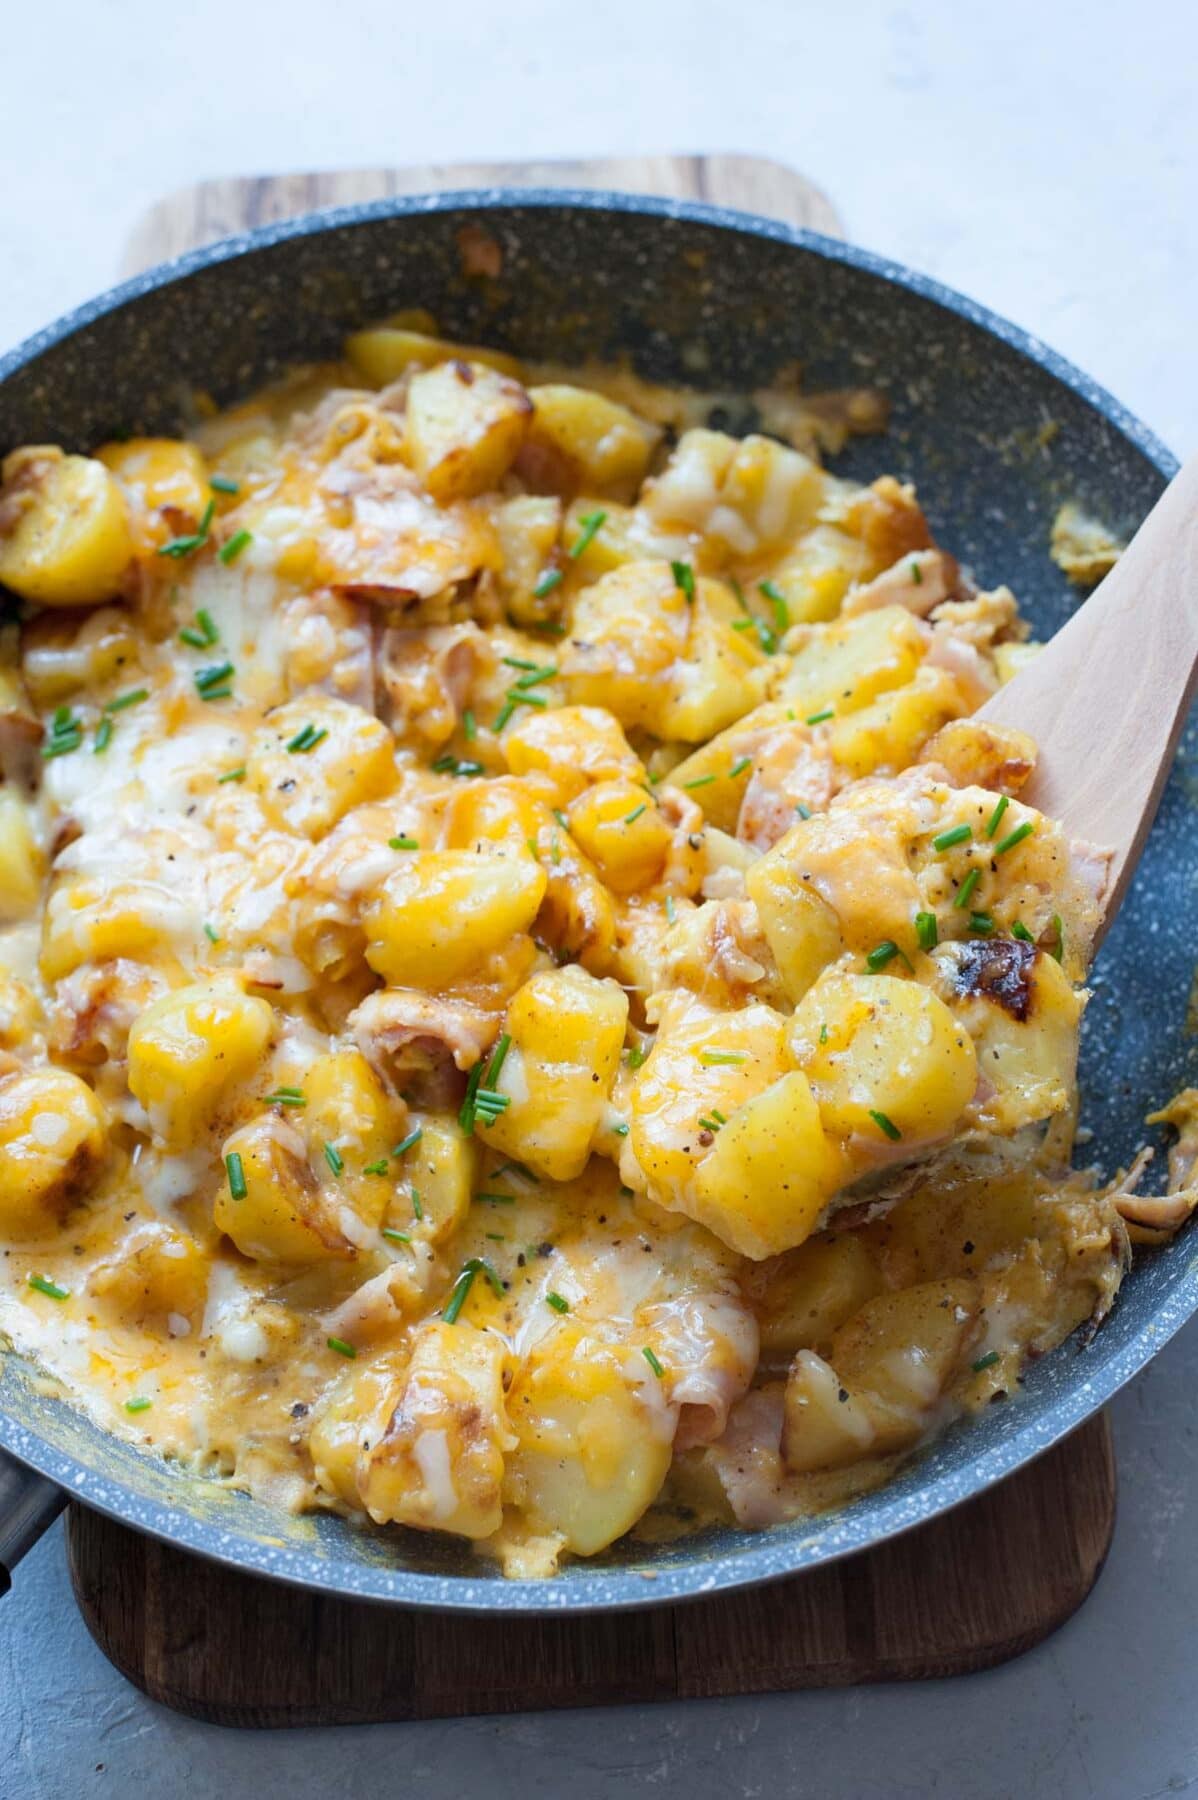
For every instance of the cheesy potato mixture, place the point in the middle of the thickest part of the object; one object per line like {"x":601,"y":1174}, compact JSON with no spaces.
{"x":526,"y":1004}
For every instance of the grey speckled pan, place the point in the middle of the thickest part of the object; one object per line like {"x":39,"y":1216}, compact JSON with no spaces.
{"x":721,"y":300}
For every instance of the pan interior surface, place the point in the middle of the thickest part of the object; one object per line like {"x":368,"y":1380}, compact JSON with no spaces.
{"x":995,"y":432}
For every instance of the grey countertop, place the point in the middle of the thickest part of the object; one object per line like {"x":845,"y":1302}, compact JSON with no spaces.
{"x":1043,"y":157}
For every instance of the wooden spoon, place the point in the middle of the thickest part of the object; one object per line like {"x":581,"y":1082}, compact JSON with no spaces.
{"x":1106,"y":700}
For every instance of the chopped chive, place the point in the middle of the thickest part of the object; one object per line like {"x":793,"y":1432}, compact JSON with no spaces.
{"x":927,"y":930}
{"x":1059,"y":926}
{"x":777,"y":600}
{"x":964,"y":893}
{"x":469,"y":726}
{"x":723,"y":1056}
{"x":124,"y":700}
{"x":103,"y":736}
{"x":739,"y":766}
{"x":223,"y":484}
{"x":634,"y":815}
{"x":1014,"y":837}
{"x":671,"y":909}
{"x":684,"y":577}
{"x":236,"y":1174}
{"x":549,"y":580}
{"x":985,"y":1362}
{"x":591,"y":523}
{"x":395,"y":1237}
{"x":334,"y":1158}
{"x":652,"y":1361}
{"x":139,"y":1403}
{"x":699,"y":781}
{"x":885,"y":1125}
{"x":634,"y":1056}
{"x":556,"y":1302}
{"x":231,"y":775}
{"x":995,"y":819}
{"x":49,"y":1288}
{"x":959,"y":834}
{"x":232,"y":550}
{"x":982,"y":923}
{"x":211,"y":934}
{"x":881,"y":954}
{"x":341,"y":1347}
{"x":403,"y":842}
{"x":817,"y":718}
{"x":804,"y":812}
{"x":1019,"y":930}
{"x":417,"y":1204}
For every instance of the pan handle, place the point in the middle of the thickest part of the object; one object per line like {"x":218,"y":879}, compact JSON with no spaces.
{"x":28,"y":1505}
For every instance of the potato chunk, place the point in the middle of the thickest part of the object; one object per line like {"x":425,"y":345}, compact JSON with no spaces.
{"x":567,"y":1032}
{"x":446,"y":912}
{"x":881,"y":1052}
{"x":190,"y":1050}
{"x":594,"y":1440}
{"x":581,"y":441}
{"x":439,"y":1464}
{"x":53,"y":1142}
{"x":314,"y":758}
{"x":64,"y":529}
{"x":465,"y":425}
{"x":764,"y":1183}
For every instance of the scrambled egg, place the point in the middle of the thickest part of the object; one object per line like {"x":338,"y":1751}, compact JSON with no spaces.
{"x":527,"y":1007}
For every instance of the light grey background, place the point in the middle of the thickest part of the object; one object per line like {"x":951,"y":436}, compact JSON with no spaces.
{"x":1040,"y":154}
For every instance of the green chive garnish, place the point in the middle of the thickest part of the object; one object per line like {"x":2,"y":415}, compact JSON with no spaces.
{"x":927,"y":931}
{"x":817,"y":718}
{"x":886,"y":1125}
{"x":684,"y":578}
{"x":556,"y":1302}
{"x":549,"y":580}
{"x":881,"y":954}
{"x":995,"y":819}
{"x":334,"y":1158}
{"x":49,"y":1288}
{"x":1014,"y":837}
{"x":341,"y":1347}
{"x":964,"y":893}
{"x":985,"y":1362}
{"x":959,"y":834}
{"x":591,"y":523}
{"x":236,"y":1174}
{"x":652,"y":1362}
{"x":139,"y":1403}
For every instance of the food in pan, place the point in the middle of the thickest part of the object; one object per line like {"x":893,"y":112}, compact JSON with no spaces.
{"x":528,"y":1007}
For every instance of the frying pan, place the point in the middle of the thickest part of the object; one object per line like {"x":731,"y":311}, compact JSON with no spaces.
{"x":995,"y":429}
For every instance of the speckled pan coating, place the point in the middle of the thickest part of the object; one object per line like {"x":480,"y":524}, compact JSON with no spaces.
{"x":722,"y":300}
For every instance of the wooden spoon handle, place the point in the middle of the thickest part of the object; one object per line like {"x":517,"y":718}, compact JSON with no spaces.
{"x":1107,"y":699}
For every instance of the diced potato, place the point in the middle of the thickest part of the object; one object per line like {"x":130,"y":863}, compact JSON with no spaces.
{"x":65,"y":538}
{"x":385,"y":352}
{"x":811,"y":1292}
{"x":443,"y":913}
{"x":192,"y":1049}
{"x":307,"y":782}
{"x":465,"y":425}
{"x":439,"y":1464}
{"x":283,"y":1216}
{"x":574,"y":744}
{"x":441,"y":1167}
{"x":889,"y":735}
{"x":581,"y":441}
{"x":527,"y":528}
{"x":594,"y":1440}
{"x":159,"y":1271}
{"x":619,"y":826}
{"x":845,"y":666}
{"x":875,"y":1048}
{"x":801,"y":929}
{"x":53,"y":1144}
{"x":22,"y":865}
{"x":702,"y":1061}
{"x":168,"y":477}
{"x":567,"y":1032}
{"x":765,"y":1181}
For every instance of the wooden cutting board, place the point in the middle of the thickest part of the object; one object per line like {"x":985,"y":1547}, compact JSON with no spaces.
{"x":961,"y":1593}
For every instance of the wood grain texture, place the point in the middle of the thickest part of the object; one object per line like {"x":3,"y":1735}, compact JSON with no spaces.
{"x":961,"y":1593}
{"x":216,"y":209}
{"x":1107,"y":700}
